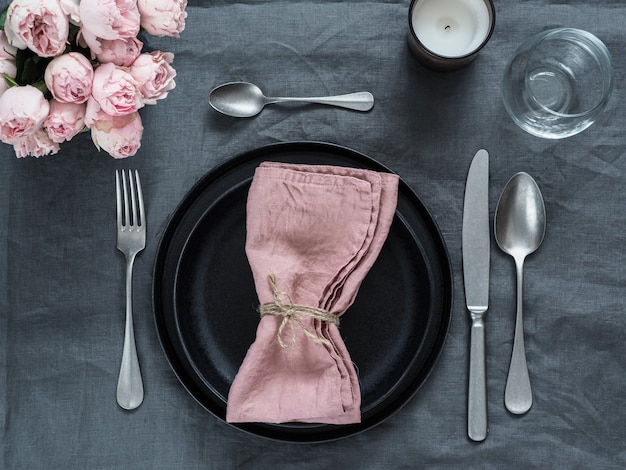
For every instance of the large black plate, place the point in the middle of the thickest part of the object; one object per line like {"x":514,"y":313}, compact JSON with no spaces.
{"x":205,"y":301}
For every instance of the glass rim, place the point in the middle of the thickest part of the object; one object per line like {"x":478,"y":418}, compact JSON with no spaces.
{"x":591,"y":39}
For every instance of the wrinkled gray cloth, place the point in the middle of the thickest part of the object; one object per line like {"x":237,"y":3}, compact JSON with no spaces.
{"x":62,"y":296}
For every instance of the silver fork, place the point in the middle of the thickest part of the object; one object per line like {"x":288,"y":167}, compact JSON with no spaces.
{"x":131,"y":239}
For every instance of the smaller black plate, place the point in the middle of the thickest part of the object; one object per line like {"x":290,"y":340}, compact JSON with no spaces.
{"x":205,"y":301}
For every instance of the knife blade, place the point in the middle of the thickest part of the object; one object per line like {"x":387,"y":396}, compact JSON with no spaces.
{"x":476,"y":245}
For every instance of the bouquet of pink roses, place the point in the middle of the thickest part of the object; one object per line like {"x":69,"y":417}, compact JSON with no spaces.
{"x":73,"y":65}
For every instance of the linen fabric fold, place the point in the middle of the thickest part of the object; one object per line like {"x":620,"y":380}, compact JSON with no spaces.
{"x":313,"y":233}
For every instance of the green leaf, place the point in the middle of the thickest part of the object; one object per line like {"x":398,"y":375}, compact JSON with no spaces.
{"x":30,"y":72}
{"x":9,"y":81}
{"x":21,"y":56}
{"x":41,"y":86}
{"x":30,"y":67}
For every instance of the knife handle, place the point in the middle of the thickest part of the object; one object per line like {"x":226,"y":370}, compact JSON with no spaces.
{"x":477,"y":394}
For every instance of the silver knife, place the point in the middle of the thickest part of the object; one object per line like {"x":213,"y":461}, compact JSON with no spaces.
{"x":476,"y":245}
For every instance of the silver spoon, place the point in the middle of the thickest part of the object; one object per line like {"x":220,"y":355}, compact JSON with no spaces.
{"x":242,"y":99}
{"x":520,"y":223}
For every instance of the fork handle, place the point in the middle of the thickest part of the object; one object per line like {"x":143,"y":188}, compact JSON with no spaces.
{"x":129,"y":384}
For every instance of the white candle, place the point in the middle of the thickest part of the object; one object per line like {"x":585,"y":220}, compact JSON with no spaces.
{"x":451,"y":28}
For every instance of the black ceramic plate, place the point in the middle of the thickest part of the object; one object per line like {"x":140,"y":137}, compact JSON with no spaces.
{"x":205,"y":301}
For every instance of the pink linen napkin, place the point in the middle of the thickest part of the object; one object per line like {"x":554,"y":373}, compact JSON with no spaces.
{"x":314,"y":232}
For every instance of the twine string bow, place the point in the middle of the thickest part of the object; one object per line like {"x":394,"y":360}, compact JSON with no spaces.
{"x":293,"y":313}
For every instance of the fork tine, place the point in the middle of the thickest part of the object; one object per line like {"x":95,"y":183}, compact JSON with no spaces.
{"x":141,"y":217}
{"x":118,"y":197}
{"x":125,"y":191}
{"x":132,"y":216}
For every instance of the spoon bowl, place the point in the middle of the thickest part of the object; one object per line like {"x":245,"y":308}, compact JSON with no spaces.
{"x":520,"y":223}
{"x":243,"y":99}
{"x":237,"y":99}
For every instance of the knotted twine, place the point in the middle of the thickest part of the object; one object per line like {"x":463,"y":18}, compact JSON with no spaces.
{"x":292,"y":313}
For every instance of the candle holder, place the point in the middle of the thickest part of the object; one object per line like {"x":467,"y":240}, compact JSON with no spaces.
{"x":445,"y":35}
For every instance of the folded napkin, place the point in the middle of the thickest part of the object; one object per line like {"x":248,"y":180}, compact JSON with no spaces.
{"x":313,"y":233}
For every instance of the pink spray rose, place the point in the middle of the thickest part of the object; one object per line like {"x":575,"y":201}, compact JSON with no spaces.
{"x":120,"y":137}
{"x":154,"y":75}
{"x":64,"y":120}
{"x":163,"y":17}
{"x":7,"y":61}
{"x":23,"y":110}
{"x":115,"y":90}
{"x":94,"y":113}
{"x":37,"y":144}
{"x":40,"y":25}
{"x":110,"y":19}
{"x":72,"y":9}
{"x":122,"y":52}
{"x":7,"y":51}
{"x":6,"y":67}
{"x":69,"y":78}
{"x":89,"y":41}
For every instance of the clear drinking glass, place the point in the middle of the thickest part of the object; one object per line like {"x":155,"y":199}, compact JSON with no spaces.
{"x":558,"y":83}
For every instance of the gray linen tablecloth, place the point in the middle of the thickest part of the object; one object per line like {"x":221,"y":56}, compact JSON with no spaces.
{"x":62,"y":296}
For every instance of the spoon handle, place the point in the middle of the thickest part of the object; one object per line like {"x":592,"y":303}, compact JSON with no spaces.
{"x":518,"y":396}
{"x":360,"y":101}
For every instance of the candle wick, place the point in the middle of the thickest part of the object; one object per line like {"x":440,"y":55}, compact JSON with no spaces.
{"x":447,"y":27}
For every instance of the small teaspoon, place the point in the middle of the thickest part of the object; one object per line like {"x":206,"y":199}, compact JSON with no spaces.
{"x":242,"y":99}
{"x":520,"y":224}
